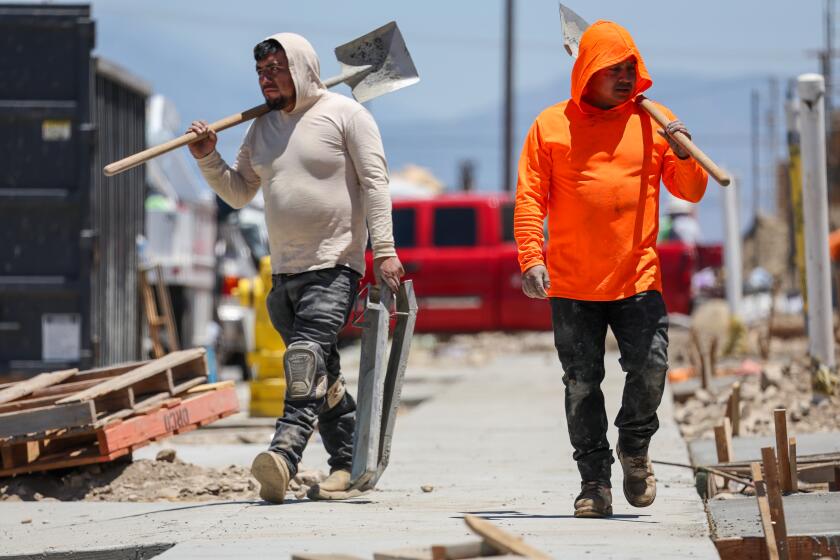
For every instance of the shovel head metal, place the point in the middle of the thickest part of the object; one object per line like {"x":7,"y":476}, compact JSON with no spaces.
{"x":385,"y":52}
{"x":573,"y":27}
{"x":380,"y":382}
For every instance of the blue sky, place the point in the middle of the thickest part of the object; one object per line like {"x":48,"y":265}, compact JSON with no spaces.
{"x":198,"y":54}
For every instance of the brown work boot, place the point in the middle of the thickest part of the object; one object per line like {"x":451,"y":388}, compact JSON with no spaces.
{"x":594,"y":500}
{"x":335,"y":487}
{"x":272,"y":473}
{"x":639,"y":482}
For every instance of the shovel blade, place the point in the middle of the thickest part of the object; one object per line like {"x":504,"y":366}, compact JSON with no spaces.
{"x":573,"y":27}
{"x":385,"y":52}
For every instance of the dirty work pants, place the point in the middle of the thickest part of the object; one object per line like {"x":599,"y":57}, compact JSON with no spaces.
{"x":640,"y":325}
{"x":314,"y":306}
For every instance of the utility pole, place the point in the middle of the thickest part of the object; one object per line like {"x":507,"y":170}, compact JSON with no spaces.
{"x":811,"y":89}
{"x":507,"y":141}
{"x":773,"y":136}
{"x":827,"y":58}
{"x":756,"y":177}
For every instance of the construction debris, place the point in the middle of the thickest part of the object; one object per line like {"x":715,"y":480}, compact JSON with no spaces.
{"x":494,"y":543}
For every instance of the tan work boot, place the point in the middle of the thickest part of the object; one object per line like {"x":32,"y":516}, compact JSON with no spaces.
{"x":594,"y":500}
{"x":272,"y":473}
{"x":334,"y":487}
{"x":639,"y":482}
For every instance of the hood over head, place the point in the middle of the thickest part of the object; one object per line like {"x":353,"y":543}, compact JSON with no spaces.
{"x":603,"y":44}
{"x":304,"y":67}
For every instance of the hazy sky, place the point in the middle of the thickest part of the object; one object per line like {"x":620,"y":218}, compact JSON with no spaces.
{"x":198,"y":53}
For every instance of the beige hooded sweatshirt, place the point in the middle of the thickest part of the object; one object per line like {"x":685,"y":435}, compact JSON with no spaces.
{"x":323,"y":173}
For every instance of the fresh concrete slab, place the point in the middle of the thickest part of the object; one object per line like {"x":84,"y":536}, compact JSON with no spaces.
{"x":805,"y":515}
{"x":748,"y":448}
{"x":494,"y":444}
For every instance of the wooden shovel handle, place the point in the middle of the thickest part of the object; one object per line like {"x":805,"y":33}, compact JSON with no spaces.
{"x":153,"y":152}
{"x":705,"y":161}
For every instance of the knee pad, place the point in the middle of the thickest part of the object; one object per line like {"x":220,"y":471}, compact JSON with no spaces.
{"x":306,"y":374}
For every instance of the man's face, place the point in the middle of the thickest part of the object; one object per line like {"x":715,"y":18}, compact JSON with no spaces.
{"x":612,"y":86}
{"x":276,"y":82}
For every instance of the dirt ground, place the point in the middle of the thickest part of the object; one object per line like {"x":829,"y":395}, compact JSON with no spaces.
{"x":165,"y":479}
{"x":770,"y":361}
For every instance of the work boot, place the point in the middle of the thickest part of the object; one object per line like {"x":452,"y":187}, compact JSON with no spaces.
{"x":639,"y":482}
{"x":594,"y":500}
{"x":334,"y":487}
{"x":272,"y":472}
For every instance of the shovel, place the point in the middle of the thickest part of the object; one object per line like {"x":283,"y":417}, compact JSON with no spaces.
{"x":372,"y":65}
{"x":573,"y":27}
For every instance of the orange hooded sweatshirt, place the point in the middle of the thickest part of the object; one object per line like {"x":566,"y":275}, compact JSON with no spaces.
{"x":595,"y":173}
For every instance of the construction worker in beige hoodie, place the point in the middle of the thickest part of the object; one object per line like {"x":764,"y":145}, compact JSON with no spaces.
{"x":318,"y":158}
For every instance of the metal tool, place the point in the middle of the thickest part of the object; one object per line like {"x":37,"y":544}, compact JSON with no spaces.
{"x":372,"y":65}
{"x":573,"y":27}
{"x":380,"y":382}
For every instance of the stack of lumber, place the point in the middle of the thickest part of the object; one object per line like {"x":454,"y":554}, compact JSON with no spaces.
{"x":70,"y":418}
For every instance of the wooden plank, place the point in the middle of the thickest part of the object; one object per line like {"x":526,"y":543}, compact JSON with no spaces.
{"x":308,"y":556}
{"x":501,"y":540}
{"x":734,"y":408}
{"x":219,"y":385}
{"x":794,"y":473}
{"x":155,"y":367}
{"x":153,"y":320}
{"x":834,"y":485}
{"x":764,"y":512}
{"x":472,"y":549}
{"x":408,"y":553}
{"x":168,"y":420}
{"x":780,"y":419}
{"x":723,"y":441}
{"x":700,"y":365}
{"x":64,"y":460}
{"x":774,"y":497}
{"x":167,"y":314}
{"x":24,"y":388}
{"x":753,"y":548}
{"x":47,"y":418}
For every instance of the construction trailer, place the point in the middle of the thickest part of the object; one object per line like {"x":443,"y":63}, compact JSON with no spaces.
{"x":180,"y":228}
{"x":68,"y":261}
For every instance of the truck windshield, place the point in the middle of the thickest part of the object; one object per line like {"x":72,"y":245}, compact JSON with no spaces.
{"x":455,"y":227}
{"x":404,"y":227}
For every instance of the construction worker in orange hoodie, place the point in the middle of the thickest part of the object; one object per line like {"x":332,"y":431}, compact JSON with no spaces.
{"x":592,"y":164}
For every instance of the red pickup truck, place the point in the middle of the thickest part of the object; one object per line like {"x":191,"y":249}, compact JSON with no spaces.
{"x":460,"y":252}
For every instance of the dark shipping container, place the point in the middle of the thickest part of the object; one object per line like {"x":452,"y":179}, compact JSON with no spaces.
{"x":68,"y":260}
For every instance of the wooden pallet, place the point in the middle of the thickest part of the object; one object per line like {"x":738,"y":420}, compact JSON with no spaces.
{"x":71,"y":448}
{"x":72,"y":399}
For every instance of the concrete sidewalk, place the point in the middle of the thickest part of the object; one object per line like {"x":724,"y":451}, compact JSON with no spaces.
{"x":493,"y":444}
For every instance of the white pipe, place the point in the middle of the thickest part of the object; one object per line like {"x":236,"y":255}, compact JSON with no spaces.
{"x":732,"y":250}
{"x":811,"y":90}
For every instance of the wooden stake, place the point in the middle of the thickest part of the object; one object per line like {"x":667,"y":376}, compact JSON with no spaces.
{"x":733,"y":408}
{"x":701,"y":360}
{"x":723,"y":441}
{"x":794,"y":472}
{"x":780,"y":417}
{"x":774,"y":496}
{"x":764,"y":512}
{"x":713,"y":358}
